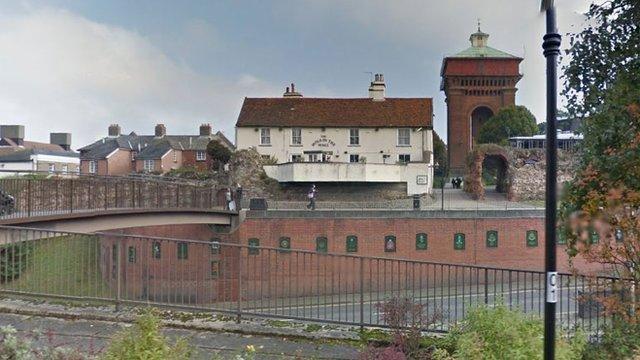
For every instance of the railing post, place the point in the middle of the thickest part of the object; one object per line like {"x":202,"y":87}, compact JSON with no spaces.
{"x":118,"y":274}
{"x":486,"y":286}
{"x":106,"y":197}
{"x":361,"y":293}
{"x":177,"y":195}
{"x":71,"y":195}
{"x":133,"y":193}
{"x":158,"y":195}
{"x":239,"y":302}
{"x":29,"y":197}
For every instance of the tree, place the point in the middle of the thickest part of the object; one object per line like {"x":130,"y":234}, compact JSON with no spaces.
{"x":600,"y":208}
{"x":509,"y":121}
{"x":219,"y":153}
{"x":440,"y":154}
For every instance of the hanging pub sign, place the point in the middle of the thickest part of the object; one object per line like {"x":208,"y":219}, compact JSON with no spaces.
{"x":532,"y":238}
{"x":352,"y":243}
{"x":390,"y":243}
{"x":458,"y":241}
{"x":594,"y":237}
{"x":562,"y":237}
{"x":492,"y":239}
{"x":421,"y":241}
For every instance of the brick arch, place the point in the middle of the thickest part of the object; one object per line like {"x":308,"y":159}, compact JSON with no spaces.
{"x":488,"y":110}
{"x":476,"y":161}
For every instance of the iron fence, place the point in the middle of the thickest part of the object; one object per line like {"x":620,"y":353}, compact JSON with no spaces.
{"x":273,"y":282}
{"x":24,"y":195}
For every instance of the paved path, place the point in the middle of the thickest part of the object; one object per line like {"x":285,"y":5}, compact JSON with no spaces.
{"x":92,"y":336}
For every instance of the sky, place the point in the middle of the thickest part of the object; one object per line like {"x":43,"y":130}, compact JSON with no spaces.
{"x":79,"y":65}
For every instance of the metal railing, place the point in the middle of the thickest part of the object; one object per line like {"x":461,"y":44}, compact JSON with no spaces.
{"x":272,"y":282}
{"x":29,"y":194}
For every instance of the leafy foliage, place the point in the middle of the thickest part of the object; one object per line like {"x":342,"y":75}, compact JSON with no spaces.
{"x":218,"y":152}
{"x":144,"y":341}
{"x":440,"y":154}
{"x":621,"y":340}
{"x":603,"y":85}
{"x":13,"y":260}
{"x":509,"y":121}
{"x":499,"y":333}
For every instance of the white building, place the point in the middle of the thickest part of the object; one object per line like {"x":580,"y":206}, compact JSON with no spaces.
{"x":567,"y":140}
{"x":374,"y":139}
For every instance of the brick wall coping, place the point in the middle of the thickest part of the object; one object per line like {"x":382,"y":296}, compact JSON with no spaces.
{"x":393,"y":214}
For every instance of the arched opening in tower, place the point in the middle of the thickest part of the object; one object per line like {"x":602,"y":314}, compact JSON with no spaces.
{"x":479,"y":116}
{"x":494,"y":172}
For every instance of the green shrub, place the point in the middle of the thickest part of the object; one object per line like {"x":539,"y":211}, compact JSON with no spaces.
{"x":621,"y":340}
{"x":499,"y":333}
{"x":13,"y":260}
{"x":144,"y":341}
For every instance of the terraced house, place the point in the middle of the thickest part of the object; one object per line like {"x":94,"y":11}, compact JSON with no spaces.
{"x":375,"y":139}
{"x":119,"y":154}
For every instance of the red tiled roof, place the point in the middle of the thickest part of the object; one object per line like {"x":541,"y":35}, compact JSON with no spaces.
{"x":322,"y":112}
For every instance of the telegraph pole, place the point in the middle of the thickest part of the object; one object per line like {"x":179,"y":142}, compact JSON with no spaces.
{"x":551,"y":46}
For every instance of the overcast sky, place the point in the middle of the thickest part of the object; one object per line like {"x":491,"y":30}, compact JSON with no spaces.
{"x":79,"y":65}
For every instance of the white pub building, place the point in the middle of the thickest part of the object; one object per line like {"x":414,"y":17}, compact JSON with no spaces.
{"x":360,"y":140}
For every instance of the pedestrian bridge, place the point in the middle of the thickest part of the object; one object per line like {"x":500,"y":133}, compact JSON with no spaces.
{"x":97,"y":203}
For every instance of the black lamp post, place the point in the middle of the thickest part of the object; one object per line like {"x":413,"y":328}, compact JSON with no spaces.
{"x":551,"y":46}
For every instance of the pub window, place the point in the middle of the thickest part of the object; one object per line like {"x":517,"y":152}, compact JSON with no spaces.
{"x":354,"y":158}
{"x":52,"y":168}
{"x":389,"y":243}
{"x":253,"y":246}
{"x":404,"y":158}
{"x":215,"y":246}
{"x":155,"y":250}
{"x":215,"y":269}
{"x":93,"y":167}
{"x":296,"y":136}
{"x":132,"y":254}
{"x":404,"y":137}
{"x":201,"y":155}
{"x":492,"y":239}
{"x":296,"y":158}
{"x":458,"y":241}
{"x":354,"y":136}
{"x":265,"y":136}
{"x":183,"y":250}
{"x":322,"y":244}
{"x":175,"y":156}
{"x":532,"y":238}
{"x":352,"y":244}
{"x":149,"y":165}
{"x":421,"y":241}
{"x":284,"y":244}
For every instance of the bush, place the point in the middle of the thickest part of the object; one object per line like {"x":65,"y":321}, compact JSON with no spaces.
{"x":499,"y":333}
{"x":144,"y":341}
{"x":621,"y":340}
{"x":13,"y":260}
{"x":13,"y":347}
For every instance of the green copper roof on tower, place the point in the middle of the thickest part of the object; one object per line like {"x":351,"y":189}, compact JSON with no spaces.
{"x":479,"y":48}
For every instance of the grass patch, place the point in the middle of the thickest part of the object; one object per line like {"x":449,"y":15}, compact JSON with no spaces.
{"x":64,"y":265}
{"x":279,"y":323}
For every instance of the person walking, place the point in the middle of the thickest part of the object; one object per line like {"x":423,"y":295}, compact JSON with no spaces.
{"x":312,"y":197}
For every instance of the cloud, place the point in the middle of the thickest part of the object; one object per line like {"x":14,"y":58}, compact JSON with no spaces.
{"x":64,"y":72}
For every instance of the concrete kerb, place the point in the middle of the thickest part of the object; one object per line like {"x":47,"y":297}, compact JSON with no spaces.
{"x":258,"y":327}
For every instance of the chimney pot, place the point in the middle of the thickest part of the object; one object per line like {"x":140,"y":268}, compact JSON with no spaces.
{"x":13,"y":132}
{"x":205,"y":130}
{"x":377,"y":88}
{"x":114,"y":130}
{"x":61,"y":139}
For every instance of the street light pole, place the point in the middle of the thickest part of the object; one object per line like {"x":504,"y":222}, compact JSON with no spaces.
{"x":551,"y":46}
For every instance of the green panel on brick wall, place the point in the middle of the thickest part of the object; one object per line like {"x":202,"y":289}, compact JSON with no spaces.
{"x":215,"y":268}
{"x":421,"y":241}
{"x":253,"y":244}
{"x":183,"y":250}
{"x":492,"y":239}
{"x":352,"y":243}
{"x":132,"y":254}
{"x":390,"y":243}
{"x":458,"y":241}
{"x":561,"y":238}
{"x":594,"y":237}
{"x":532,"y":238}
{"x":156,"y":250}
{"x":284,"y":244}
{"x":322,"y":244}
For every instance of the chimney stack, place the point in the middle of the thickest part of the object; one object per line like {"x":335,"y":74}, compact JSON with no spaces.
{"x":205,"y":130}
{"x":61,"y":139}
{"x":114,"y":130}
{"x":13,"y":132}
{"x":161,"y":130}
{"x":377,"y":87}
{"x":292,"y":92}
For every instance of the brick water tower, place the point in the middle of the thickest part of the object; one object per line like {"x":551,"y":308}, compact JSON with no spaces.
{"x":477,"y":82}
